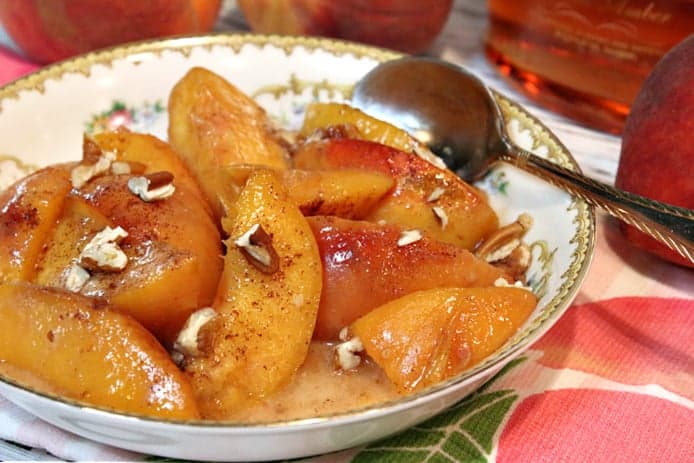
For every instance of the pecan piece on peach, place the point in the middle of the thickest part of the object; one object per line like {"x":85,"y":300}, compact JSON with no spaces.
{"x":152,"y":187}
{"x":256,"y":246}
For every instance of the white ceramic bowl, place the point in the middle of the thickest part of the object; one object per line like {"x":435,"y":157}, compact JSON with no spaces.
{"x":43,"y":116}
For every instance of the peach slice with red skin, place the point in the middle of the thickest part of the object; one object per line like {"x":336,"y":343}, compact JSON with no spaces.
{"x":364,"y":267}
{"x":462,"y":216}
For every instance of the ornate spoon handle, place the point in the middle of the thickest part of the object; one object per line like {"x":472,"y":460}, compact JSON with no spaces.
{"x":673,"y":226}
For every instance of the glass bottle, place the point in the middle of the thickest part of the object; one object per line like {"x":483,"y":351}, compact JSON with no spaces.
{"x":586,"y":59}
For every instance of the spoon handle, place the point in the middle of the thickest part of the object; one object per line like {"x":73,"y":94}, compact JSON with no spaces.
{"x":673,"y":226}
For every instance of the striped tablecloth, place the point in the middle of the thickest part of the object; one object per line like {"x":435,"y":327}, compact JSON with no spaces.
{"x":612,"y":381}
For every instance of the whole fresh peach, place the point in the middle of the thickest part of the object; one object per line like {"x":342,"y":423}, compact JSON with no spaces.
{"x":50,"y":30}
{"x":657,"y":150}
{"x":406,"y":25}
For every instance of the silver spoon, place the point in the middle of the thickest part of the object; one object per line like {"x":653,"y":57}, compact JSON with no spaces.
{"x":457,"y":117}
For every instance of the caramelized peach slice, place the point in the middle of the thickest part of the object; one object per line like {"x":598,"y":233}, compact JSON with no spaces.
{"x":322,"y":116}
{"x":428,"y":336}
{"x":364,"y":267}
{"x":267,"y":301}
{"x":347,"y":193}
{"x":63,"y":343}
{"x":160,"y":287}
{"x":425,"y":197}
{"x":77,"y":224}
{"x":28,"y":211}
{"x":153,"y":154}
{"x":213,"y":124}
{"x":174,"y":255}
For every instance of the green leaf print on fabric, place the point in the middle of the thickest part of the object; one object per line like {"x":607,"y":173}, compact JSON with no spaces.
{"x":464,"y":433}
{"x":461,"y":448}
{"x":482,"y":426}
{"x":393,"y":456}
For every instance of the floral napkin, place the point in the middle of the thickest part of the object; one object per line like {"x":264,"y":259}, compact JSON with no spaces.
{"x":613,"y":380}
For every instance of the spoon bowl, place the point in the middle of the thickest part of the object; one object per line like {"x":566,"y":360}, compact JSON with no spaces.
{"x":442,"y":105}
{"x":457,"y":117}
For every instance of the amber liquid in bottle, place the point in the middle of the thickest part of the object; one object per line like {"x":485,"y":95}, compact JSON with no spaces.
{"x":586,"y":59}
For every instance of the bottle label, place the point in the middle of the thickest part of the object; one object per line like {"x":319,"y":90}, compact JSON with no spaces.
{"x":615,"y":29}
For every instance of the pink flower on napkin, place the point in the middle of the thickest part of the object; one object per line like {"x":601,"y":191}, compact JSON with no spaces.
{"x":592,"y":425}
{"x":630,"y":340}
{"x":611,"y":381}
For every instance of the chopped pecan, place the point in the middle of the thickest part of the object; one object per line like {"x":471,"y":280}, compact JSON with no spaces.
{"x":505,"y":249}
{"x":102,"y":252}
{"x":91,"y":151}
{"x":435,"y":194}
{"x":347,"y":354}
{"x":516,"y":264}
{"x":502,"y":242}
{"x":76,"y":278}
{"x":120,"y":168}
{"x":440,"y":214}
{"x":256,"y":246}
{"x":188,"y":339}
{"x":409,"y":237}
{"x":159,"y":179}
{"x":86,"y":170}
{"x":152,"y":187}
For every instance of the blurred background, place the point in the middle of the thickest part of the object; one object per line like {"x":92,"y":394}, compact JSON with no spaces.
{"x":583,"y":59}
{"x":461,"y":40}
{"x":577,"y":65}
